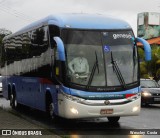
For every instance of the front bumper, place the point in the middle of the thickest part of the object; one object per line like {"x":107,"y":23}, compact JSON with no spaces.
{"x":72,"y":109}
{"x":150,"y":100}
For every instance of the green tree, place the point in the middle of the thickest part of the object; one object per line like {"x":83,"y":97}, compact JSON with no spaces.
{"x":4,"y":32}
{"x":151,"y":68}
{"x":141,"y":53}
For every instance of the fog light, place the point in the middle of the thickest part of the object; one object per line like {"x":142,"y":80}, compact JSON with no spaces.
{"x":135,"y":109}
{"x":74,"y":111}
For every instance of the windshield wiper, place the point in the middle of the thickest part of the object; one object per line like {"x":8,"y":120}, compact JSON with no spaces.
{"x":118,"y":72}
{"x":93,"y":71}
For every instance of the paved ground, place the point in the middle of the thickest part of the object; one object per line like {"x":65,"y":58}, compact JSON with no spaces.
{"x":25,"y":118}
{"x":10,"y":121}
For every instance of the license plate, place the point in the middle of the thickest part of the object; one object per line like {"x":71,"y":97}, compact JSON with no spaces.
{"x":156,"y":99}
{"x":106,"y":111}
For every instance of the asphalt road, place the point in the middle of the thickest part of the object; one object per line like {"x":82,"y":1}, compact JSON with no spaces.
{"x":149,"y":119}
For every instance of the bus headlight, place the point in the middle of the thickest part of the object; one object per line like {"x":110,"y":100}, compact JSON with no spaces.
{"x":136,"y":108}
{"x":72,"y":98}
{"x":74,"y":110}
{"x":146,"y":94}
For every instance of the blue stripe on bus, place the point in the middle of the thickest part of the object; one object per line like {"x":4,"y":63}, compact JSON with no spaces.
{"x":92,"y":95}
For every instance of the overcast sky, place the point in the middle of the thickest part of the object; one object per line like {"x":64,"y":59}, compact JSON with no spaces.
{"x":15,"y":14}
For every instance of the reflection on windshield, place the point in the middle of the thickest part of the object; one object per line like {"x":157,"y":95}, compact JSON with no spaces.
{"x":117,"y":71}
{"x":124,"y":59}
{"x":89,"y":60}
{"x":93,"y":70}
{"x":121,"y":46}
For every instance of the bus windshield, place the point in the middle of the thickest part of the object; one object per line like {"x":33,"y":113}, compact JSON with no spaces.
{"x":100,"y":58}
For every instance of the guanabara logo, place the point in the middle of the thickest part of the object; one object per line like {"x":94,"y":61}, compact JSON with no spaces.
{"x":124,"y":36}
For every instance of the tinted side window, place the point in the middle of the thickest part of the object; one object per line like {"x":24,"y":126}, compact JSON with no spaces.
{"x":26,"y":41}
{"x":2,"y":54}
{"x":13,"y":47}
{"x":39,"y":41}
{"x":54,"y":31}
{"x":27,"y":54}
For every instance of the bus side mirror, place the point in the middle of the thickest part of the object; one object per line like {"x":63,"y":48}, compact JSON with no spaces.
{"x":60,"y":48}
{"x":147,"y":48}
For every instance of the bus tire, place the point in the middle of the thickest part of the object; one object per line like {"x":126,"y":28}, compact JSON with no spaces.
{"x":9,"y":92}
{"x":50,"y":108}
{"x":113,"y":119}
{"x":13,"y":101}
{"x":51,"y":111}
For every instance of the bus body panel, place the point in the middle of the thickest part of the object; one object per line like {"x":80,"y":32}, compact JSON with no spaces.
{"x":31,"y":91}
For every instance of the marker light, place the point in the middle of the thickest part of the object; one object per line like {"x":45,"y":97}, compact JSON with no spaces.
{"x":132,"y":96}
{"x":74,"y":111}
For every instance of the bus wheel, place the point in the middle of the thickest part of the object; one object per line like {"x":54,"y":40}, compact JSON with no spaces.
{"x":113,"y":119}
{"x":13,"y":101}
{"x":50,"y":109}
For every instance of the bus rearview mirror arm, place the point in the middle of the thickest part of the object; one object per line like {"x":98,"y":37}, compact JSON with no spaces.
{"x":60,"y":48}
{"x":147,"y":48}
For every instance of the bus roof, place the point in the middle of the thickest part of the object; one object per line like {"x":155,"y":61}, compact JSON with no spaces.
{"x":77,"y":21}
